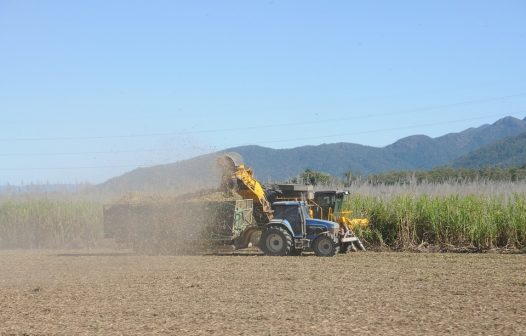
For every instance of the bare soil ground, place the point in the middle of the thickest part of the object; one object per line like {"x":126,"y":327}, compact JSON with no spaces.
{"x":367,"y":293}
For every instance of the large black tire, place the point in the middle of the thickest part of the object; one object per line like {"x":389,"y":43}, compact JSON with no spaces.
{"x":276,"y":241}
{"x":325,"y":246}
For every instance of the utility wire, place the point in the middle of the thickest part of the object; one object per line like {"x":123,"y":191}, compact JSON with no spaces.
{"x":274,"y":125}
{"x":378,"y":130}
{"x":72,"y":168}
{"x":273,"y":141}
{"x":111,"y":152}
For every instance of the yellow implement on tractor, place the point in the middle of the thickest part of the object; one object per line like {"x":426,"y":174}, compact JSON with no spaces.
{"x":352,"y":223}
{"x":328,"y":205}
{"x":238,"y":178}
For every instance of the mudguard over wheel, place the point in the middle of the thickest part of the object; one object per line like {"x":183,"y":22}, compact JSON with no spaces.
{"x":276,"y":241}
{"x":325,"y":245}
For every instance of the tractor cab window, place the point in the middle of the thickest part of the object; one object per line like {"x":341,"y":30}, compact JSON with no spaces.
{"x":292,"y":215}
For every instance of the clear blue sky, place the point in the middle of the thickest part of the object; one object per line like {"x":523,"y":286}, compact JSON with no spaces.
{"x":92,"y":89}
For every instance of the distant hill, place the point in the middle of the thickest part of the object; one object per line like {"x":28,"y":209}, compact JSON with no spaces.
{"x":335,"y":159}
{"x":410,"y":153}
{"x":184,"y":176}
{"x":422,"y":152}
{"x":504,"y":153}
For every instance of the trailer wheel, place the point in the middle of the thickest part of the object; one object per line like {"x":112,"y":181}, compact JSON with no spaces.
{"x":276,"y":241}
{"x":325,"y":246}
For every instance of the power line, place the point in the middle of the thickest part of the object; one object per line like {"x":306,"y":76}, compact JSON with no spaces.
{"x":79,"y":153}
{"x":111,"y":152}
{"x":380,"y":130}
{"x":274,"y":125}
{"x":71,"y":168}
{"x":277,"y":141}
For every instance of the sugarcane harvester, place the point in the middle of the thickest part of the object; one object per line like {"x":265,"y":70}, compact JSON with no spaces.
{"x":329,"y":205}
{"x":283,"y":227}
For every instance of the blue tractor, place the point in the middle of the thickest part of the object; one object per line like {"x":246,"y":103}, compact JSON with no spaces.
{"x":292,"y":231}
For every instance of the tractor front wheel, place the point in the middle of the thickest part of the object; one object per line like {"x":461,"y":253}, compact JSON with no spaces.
{"x":276,"y":241}
{"x":325,"y":246}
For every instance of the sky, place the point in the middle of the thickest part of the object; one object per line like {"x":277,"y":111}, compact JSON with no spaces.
{"x":92,"y":89}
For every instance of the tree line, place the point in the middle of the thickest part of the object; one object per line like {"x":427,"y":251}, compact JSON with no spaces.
{"x":449,"y":174}
{"x":436,"y":175}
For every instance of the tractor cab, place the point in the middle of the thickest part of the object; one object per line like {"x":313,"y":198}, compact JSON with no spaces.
{"x":295,"y":213}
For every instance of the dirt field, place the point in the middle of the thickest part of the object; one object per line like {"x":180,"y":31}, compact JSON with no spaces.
{"x":365,"y":293}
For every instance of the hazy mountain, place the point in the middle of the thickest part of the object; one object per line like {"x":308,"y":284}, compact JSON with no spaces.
{"x":184,"y":176}
{"x":503,"y":153}
{"x":410,"y":153}
{"x":336,"y":159}
{"x":423,"y":152}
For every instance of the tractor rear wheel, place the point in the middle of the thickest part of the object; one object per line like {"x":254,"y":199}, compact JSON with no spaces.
{"x":325,"y":246}
{"x":276,"y":241}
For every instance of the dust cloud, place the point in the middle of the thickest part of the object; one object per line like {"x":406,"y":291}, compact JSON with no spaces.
{"x":170,"y":209}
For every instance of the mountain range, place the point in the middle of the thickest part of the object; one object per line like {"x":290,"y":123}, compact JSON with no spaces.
{"x":501,"y":143}
{"x":503,"y":153}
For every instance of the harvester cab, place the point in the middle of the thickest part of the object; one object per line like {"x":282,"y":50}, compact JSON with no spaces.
{"x":329,"y":204}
